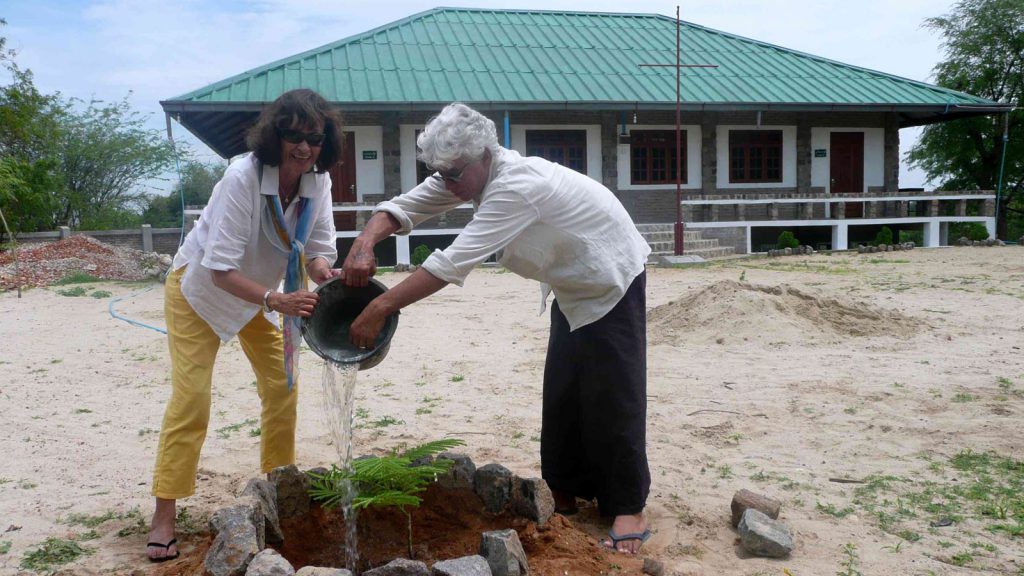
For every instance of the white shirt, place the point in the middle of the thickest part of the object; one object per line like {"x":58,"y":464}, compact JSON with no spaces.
{"x":228,"y":236}
{"x":545,"y":222}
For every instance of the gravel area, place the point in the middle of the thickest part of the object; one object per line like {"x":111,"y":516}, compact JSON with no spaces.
{"x":44,"y":264}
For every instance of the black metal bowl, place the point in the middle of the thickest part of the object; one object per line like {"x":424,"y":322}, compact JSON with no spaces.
{"x":326,"y":331}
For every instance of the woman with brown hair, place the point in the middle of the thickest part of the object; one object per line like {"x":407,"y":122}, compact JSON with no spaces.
{"x":269,"y":218}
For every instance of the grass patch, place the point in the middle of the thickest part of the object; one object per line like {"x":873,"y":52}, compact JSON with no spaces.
{"x":99,"y":294}
{"x":980,"y":486}
{"x":53,"y":552}
{"x":73,"y":292}
{"x":77,"y":278}
{"x":5,"y":547}
{"x":89,"y":521}
{"x":831,"y":510}
{"x":226,"y":431}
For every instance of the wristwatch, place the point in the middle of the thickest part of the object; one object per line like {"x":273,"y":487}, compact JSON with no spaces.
{"x":266,"y":302}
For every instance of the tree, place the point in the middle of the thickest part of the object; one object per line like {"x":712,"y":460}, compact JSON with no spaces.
{"x":69,"y":163}
{"x":193,"y":189}
{"x":29,"y":130}
{"x":106,"y":156}
{"x":984,"y":56}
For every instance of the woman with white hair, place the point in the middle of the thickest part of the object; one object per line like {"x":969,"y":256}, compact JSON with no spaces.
{"x":569,"y":232}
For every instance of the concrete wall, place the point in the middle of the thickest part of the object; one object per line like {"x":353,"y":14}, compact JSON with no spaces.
{"x":165,"y":240}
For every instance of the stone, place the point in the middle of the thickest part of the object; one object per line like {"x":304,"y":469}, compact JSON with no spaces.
{"x":788,"y":251}
{"x":400,"y":567}
{"x":292,"y":491}
{"x":493,"y":484}
{"x":265,"y":495}
{"x":762,"y":536}
{"x":269,"y":563}
{"x":745,"y":499}
{"x":465,"y":566}
{"x":532,"y":499}
{"x":460,"y":475}
{"x":504,"y":553}
{"x":317,"y":571}
{"x":236,"y":543}
{"x":653,"y":567}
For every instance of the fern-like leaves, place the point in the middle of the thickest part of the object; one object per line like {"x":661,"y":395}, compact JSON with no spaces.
{"x":384,"y":480}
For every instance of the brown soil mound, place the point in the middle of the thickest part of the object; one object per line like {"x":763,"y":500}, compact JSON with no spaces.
{"x":44,"y":264}
{"x":447,"y":525}
{"x":733,"y":311}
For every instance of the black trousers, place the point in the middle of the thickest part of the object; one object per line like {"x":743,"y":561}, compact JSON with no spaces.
{"x":593,"y":440}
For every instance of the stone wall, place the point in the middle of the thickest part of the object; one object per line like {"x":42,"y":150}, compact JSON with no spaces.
{"x":165,"y":240}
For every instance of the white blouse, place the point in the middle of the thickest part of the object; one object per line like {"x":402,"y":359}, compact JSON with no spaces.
{"x":228,"y":236}
{"x":545,"y":222}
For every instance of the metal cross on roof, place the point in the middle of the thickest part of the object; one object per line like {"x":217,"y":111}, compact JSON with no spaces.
{"x":679,"y":227}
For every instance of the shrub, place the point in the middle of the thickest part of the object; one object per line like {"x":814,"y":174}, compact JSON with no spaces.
{"x":915,"y":236}
{"x":972,"y":230}
{"x":884,"y":236}
{"x":787,"y":240}
{"x":420,"y":255}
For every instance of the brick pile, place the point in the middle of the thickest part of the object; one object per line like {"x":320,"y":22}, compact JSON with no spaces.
{"x":44,"y":264}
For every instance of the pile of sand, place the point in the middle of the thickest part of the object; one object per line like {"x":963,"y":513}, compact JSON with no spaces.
{"x":737,"y":311}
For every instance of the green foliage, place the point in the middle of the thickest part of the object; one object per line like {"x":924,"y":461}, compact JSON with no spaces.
{"x":384,"y":480}
{"x":970,"y":230}
{"x":393,"y":480}
{"x":52,"y":553}
{"x":915,"y":236}
{"x":984,"y":56}
{"x":884,"y":236}
{"x":77,"y":278}
{"x":67,"y":162}
{"x":194,"y":189}
{"x":5,"y":547}
{"x":419,"y":255}
{"x":787,"y":240}
{"x":73,"y":292}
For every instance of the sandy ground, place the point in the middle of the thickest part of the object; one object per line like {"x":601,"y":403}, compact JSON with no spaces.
{"x":772,"y":375}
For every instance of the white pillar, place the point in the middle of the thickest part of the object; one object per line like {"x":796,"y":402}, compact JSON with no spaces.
{"x":402,"y":249}
{"x":749,"y":247}
{"x":990,"y":225}
{"x":932,"y":233}
{"x":840,"y":235}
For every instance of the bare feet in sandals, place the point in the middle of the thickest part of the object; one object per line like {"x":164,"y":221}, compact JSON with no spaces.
{"x":161,"y":545}
{"x":628,"y":533}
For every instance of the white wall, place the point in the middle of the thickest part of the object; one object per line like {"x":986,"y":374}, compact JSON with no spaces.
{"x":518,"y":140}
{"x":693,"y":167}
{"x":788,"y":158}
{"x":407,"y":162}
{"x":874,"y":156}
{"x":369,"y":173}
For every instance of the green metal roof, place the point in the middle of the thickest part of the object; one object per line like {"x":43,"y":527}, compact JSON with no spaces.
{"x":515,"y":59}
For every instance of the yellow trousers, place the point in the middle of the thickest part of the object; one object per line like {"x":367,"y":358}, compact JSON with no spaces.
{"x":193,"y":346}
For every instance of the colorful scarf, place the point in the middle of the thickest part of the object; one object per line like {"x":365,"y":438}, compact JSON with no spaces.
{"x":295,"y":273}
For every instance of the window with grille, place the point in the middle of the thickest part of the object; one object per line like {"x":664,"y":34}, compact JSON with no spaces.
{"x":566,"y":147}
{"x":755,"y":156}
{"x":652,"y":156}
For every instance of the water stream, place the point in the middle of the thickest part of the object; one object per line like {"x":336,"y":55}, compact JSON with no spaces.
{"x":339,"y":384}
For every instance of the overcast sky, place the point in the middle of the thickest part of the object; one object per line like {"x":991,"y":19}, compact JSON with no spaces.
{"x":157,"y":50}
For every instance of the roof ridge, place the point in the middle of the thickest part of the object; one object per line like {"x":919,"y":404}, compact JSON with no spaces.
{"x":918,"y":83}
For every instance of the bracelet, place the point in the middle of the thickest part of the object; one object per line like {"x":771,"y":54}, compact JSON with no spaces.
{"x":266,"y":302}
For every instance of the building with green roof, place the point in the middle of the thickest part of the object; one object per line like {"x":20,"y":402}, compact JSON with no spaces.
{"x":771,"y":138}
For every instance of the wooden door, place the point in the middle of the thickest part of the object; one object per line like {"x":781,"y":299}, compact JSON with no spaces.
{"x":343,"y":183}
{"x":846,"y":168}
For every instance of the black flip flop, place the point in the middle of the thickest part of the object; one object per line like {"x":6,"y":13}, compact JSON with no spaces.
{"x":165,"y":547}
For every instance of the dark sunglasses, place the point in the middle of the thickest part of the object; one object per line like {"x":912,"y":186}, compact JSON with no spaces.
{"x":453,"y":176}
{"x":296,"y":136}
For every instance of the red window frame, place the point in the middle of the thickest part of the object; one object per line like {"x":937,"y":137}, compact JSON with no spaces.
{"x":652,"y":156}
{"x":566,"y":147}
{"x":755,"y":156}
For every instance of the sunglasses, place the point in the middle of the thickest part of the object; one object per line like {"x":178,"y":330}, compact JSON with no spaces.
{"x":453,"y":176}
{"x":296,"y":136}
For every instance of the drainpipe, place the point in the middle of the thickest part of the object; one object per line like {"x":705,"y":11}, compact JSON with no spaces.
{"x":1002,"y":165}
{"x":508,"y":136}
